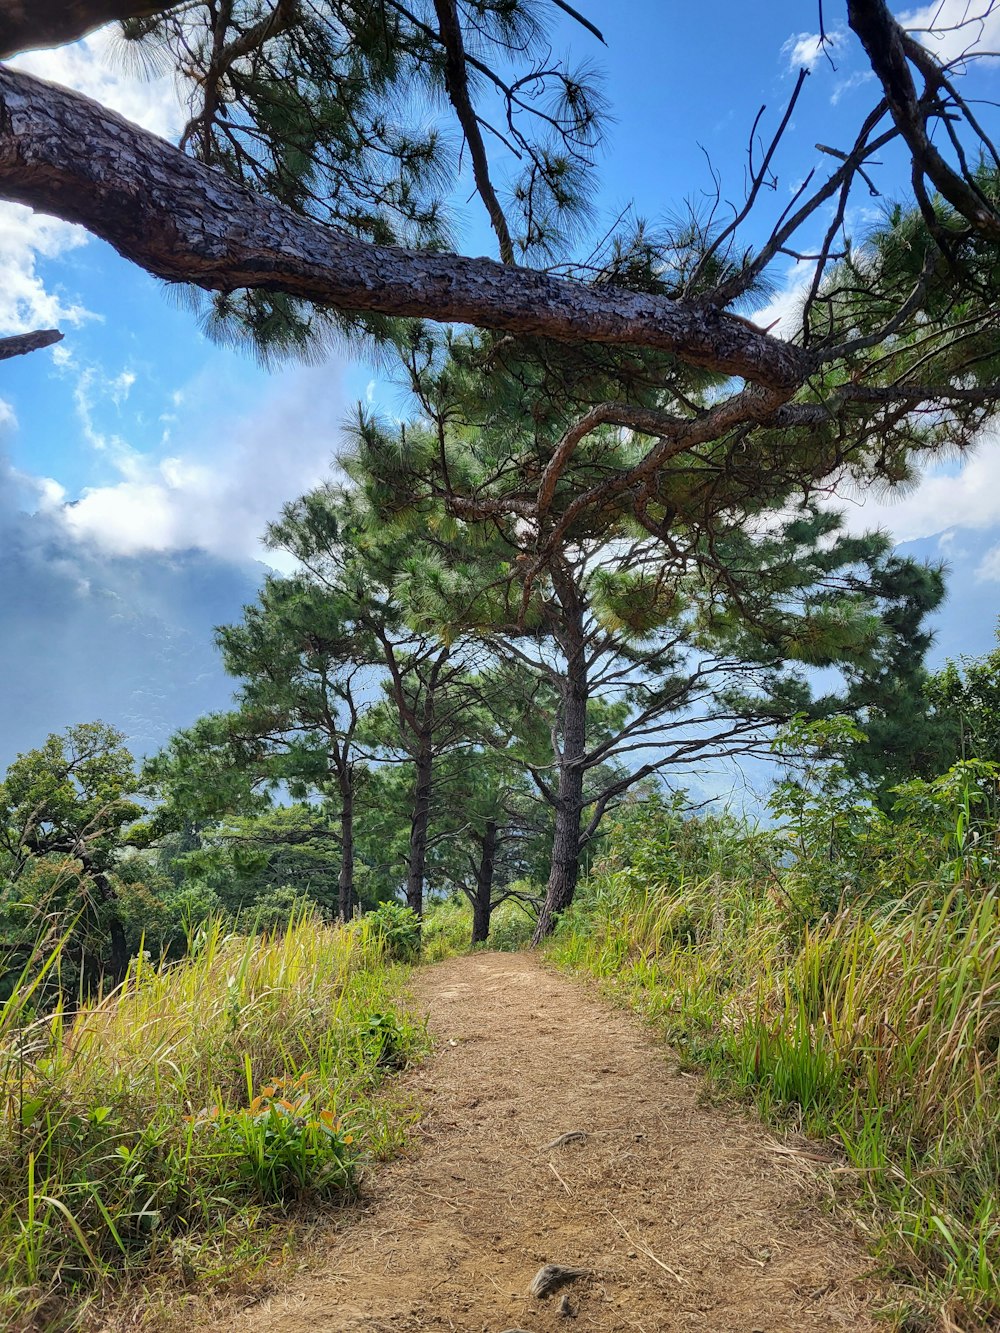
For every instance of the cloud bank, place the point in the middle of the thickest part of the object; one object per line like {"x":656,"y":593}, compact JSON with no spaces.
{"x":220,"y":490}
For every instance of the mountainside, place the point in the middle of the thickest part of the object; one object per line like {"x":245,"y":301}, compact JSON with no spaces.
{"x":127,"y":640}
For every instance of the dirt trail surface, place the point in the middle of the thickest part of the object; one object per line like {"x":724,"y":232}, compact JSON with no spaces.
{"x":682,"y":1216}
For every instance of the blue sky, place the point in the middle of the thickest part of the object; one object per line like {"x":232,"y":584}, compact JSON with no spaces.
{"x":138,"y":439}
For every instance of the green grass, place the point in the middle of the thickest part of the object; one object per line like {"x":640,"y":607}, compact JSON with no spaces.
{"x":165,"y":1133}
{"x":876,"y":1028}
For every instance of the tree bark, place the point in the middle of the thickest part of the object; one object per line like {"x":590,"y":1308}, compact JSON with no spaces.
{"x":119,"y":954}
{"x":565,"y":867}
{"x":119,"y":947}
{"x":185,"y":222}
{"x":345,"y":880}
{"x":419,"y":824}
{"x":887,"y":47}
{"x":482,"y":902}
{"x":26,"y":25}
{"x":20,"y":343}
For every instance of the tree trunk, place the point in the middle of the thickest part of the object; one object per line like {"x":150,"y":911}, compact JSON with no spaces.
{"x":116,"y":931}
{"x":482,"y":903}
{"x":345,"y":880}
{"x":565,"y":867}
{"x":419,"y":824}
{"x":119,"y":947}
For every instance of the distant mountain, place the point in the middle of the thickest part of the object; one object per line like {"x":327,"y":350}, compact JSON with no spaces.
{"x":966,"y":625}
{"x":127,"y":640}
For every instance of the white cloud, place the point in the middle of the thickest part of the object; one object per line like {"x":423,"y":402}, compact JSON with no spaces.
{"x":856,"y":80}
{"x":216,"y":499}
{"x":948,"y":496}
{"x":93,"y":390}
{"x":953,"y":29}
{"x":120,"y":387}
{"x":805,"y":49}
{"x":988,"y":570}
{"x":98,"y":67}
{"x":783,"y":313}
{"x":25,"y":302}
{"x":50,"y":494}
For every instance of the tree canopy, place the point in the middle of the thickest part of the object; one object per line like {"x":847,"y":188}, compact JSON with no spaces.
{"x":310,"y":193}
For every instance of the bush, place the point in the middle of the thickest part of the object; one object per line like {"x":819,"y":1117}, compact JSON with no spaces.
{"x":278,"y":909}
{"x":447,"y":928}
{"x":283,"y":1142}
{"x":398,"y":930}
{"x":511,"y":927}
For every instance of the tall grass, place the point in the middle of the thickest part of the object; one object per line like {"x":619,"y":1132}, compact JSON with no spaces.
{"x":877,"y":1026}
{"x":163,"y":1129}
{"x":447,"y":928}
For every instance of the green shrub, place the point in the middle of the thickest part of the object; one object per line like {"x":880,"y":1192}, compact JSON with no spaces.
{"x":447,"y":928}
{"x":284,"y":1142}
{"x":511,"y":927}
{"x":385,"y":1040}
{"x":277,"y":909}
{"x":398,"y":930}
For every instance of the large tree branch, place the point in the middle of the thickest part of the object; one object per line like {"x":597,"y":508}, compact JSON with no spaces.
{"x":887,"y":48}
{"x":26,"y":25}
{"x":185,"y":222}
{"x":20,"y":343}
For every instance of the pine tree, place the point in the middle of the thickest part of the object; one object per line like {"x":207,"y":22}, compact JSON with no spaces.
{"x":424,"y":680}
{"x":645,"y":653}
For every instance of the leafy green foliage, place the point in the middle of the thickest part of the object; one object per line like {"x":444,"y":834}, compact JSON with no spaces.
{"x":843,"y":845}
{"x":286,"y":1145}
{"x":639,"y":641}
{"x":398,"y":928}
{"x":965,"y":698}
{"x":65,"y":812}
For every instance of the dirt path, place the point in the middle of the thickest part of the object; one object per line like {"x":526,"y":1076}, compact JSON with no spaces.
{"x":454,"y":1233}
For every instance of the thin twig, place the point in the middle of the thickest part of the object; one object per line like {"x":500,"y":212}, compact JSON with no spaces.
{"x":641,"y":1245}
{"x":560,"y":1179}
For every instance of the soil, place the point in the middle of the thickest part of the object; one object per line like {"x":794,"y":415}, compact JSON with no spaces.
{"x":682,"y":1215}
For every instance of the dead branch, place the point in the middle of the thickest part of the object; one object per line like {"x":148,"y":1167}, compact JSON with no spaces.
{"x":20,"y":343}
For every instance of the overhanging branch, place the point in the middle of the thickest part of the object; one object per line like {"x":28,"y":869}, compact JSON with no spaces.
{"x":187,"y":223}
{"x":19,"y":344}
{"x":26,"y":25}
